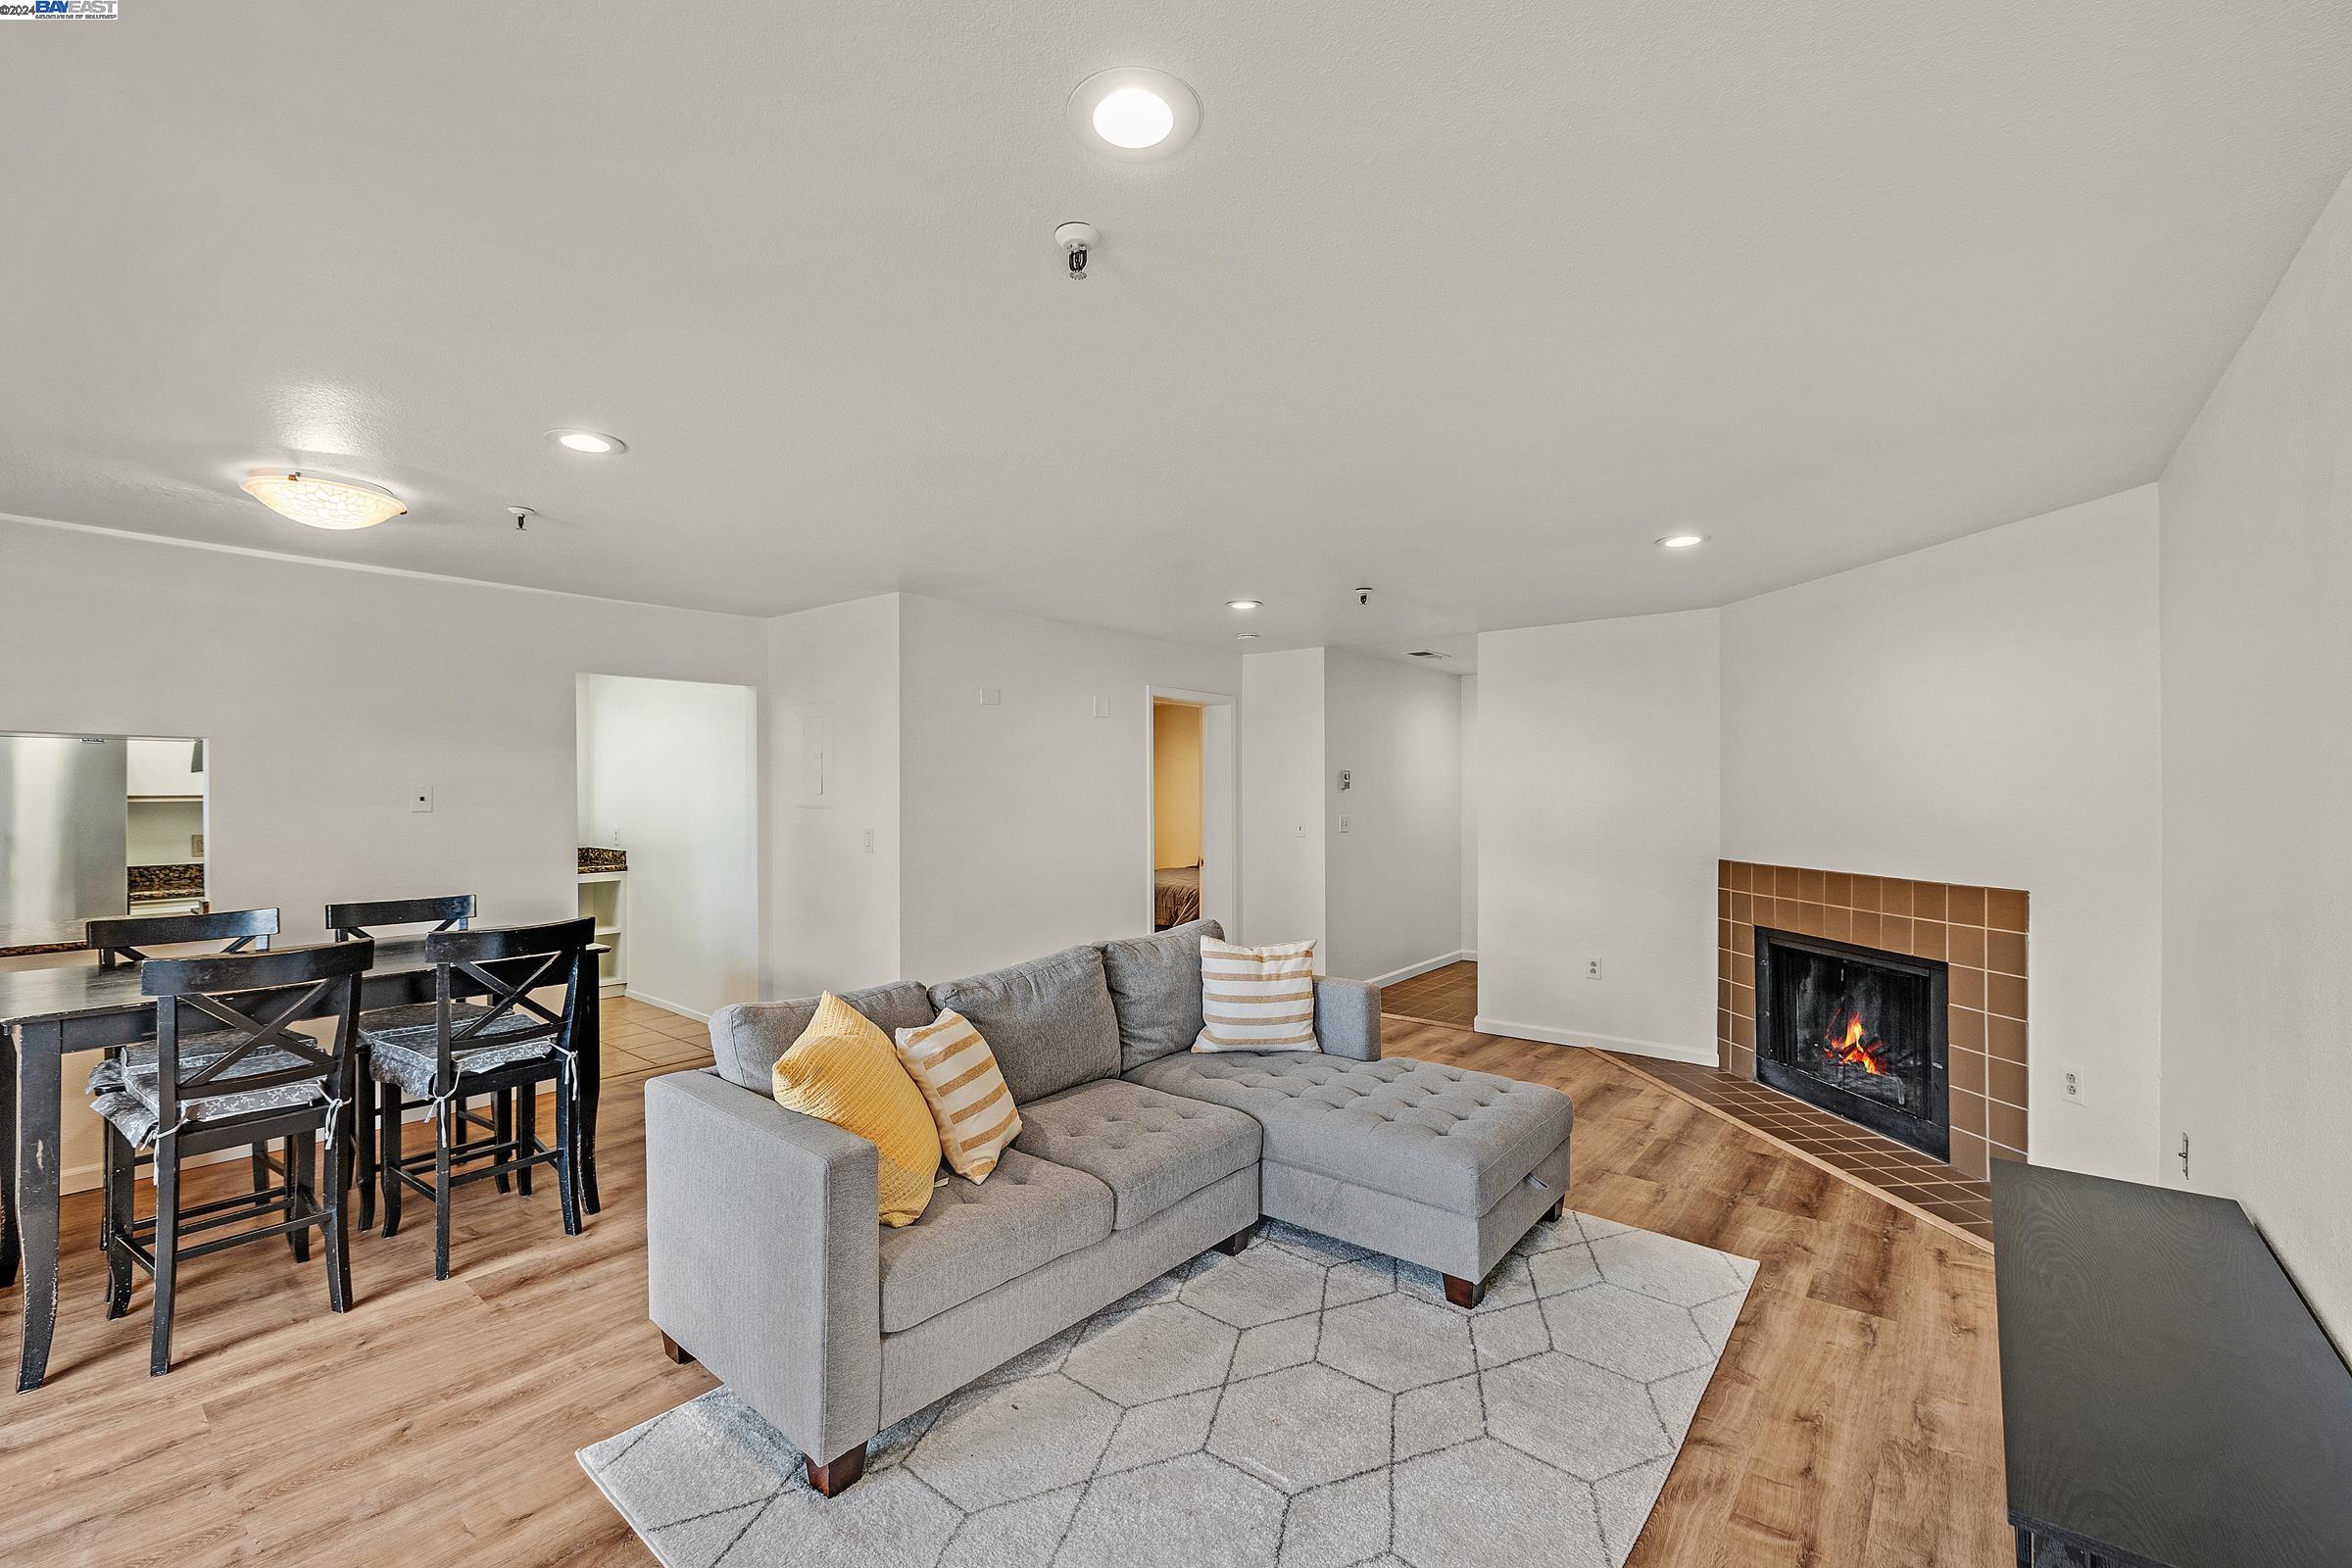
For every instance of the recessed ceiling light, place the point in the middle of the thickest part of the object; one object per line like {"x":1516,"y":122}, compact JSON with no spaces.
{"x":589,"y":441}
{"x":1134,"y":112}
{"x":1683,"y":541}
{"x":320,"y":501}
{"x":1244,"y":604}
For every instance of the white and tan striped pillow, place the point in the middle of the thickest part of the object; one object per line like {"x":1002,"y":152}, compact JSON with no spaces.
{"x":1256,"y":999}
{"x":960,"y":1081}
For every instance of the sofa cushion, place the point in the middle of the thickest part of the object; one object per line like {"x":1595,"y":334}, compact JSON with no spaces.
{"x":1155,"y":989}
{"x":747,"y":1038}
{"x":1441,"y":1136}
{"x":977,"y":1235}
{"x":1050,"y":1020}
{"x":1150,"y":1148}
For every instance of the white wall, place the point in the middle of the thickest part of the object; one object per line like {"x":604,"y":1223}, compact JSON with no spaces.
{"x":1283,"y":858}
{"x":1393,"y":885}
{"x":2257,"y":647}
{"x":670,"y":772}
{"x":1468,"y":766}
{"x":830,"y":900}
{"x":1596,"y":766}
{"x":1026,"y":822}
{"x":323,"y":695}
{"x":1985,"y":712}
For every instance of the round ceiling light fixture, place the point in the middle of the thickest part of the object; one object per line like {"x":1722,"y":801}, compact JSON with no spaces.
{"x":1683,"y":540}
{"x":593,"y":442}
{"x":1244,"y":604}
{"x":320,"y":501}
{"x":1134,"y":112}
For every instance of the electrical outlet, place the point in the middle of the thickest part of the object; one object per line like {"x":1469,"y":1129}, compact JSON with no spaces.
{"x":992,"y":697}
{"x":1102,"y":708}
{"x":1592,"y":969}
{"x":869,"y":841}
{"x":1346,"y":824}
{"x":421,"y":800}
{"x":2070,"y":1086}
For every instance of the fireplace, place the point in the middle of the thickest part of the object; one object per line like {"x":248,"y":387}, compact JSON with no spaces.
{"x":1857,"y":1031}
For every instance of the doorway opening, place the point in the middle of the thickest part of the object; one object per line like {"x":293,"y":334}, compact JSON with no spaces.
{"x":668,"y":839}
{"x":1192,"y":787}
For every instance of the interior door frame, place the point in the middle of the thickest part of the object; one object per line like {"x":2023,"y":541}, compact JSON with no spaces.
{"x":1220,"y":803}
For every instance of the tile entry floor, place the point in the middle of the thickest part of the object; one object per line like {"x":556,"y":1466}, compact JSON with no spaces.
{"x":1449,"y":996}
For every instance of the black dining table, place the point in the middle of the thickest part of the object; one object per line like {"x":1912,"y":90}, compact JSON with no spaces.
{"x":51,"y":1014}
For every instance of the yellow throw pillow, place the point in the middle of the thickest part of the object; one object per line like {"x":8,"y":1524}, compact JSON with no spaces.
{"x":842,"y":1070}
{"x":957,"y":1074}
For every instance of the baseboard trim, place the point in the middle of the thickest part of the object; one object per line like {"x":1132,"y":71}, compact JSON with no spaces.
{"x":1702,"y":1055}
{"x":668,"y":1006}
{"x":1411,"y":969}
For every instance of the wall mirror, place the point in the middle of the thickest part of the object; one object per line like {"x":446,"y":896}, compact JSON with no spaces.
{"x":94,"y":825}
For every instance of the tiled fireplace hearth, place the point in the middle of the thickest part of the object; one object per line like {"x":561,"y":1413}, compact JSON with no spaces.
{"x":1975,"y":936}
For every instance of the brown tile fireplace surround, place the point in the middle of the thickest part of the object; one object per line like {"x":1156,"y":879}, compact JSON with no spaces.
{"x":1978,"y":932}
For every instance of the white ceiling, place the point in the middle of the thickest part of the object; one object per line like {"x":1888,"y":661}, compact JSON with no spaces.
{"x":1468,"y":302}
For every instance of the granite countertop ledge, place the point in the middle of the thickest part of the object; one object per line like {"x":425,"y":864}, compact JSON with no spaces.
{"x":593,"y":859}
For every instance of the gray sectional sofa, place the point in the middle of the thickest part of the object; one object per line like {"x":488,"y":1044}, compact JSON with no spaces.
{"x":766,"y":1262}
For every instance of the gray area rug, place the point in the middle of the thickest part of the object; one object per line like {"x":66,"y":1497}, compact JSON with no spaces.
{"x":1307,"y":1404}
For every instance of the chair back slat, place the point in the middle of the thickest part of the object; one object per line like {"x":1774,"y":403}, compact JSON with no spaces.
{"x":120,"y":936}
{"x":451,"y":913}
{"x":255,"y":997}
{"x":562,"y":948}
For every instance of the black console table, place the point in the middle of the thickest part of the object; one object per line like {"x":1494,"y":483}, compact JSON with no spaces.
{"x":2166,"y":1399}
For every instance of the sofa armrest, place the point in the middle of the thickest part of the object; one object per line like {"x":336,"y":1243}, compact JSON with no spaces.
{"x":1347,"y":1018}
{"x":764,"y":1257}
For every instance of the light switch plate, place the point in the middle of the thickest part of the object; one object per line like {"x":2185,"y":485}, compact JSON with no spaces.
{"x":1346,"y":824}
{"x":992,"y":697}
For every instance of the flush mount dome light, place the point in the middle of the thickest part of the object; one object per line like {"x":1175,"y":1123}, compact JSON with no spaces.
{"x":1244,"y":604}
{"x":1134,"y":112}
{"x":592,"y":442}
{"x":1683,"y":540}
{"x":320,"y":501}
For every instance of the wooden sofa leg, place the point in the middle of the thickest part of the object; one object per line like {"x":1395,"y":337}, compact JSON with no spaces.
{"x":830,"y":1480}
{"x":1232,"y":1245}
{"x":675,"y":1352}
{"x":1464,"y":1293}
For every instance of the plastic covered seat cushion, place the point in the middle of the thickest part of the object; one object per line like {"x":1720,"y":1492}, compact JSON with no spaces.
{"x":977,"y":1236}
{"x":1151,"y":1149}
{"x":195,"y":1050}
{"x":412,"y":1070}
{"x":1442,"y":1136}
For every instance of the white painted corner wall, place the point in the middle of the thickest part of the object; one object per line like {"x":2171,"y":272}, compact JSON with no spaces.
{"x":1283,"y":866}
{"x":1392,"y":880}
{"x":2257,"y":603}
{"x":1596,"y":776}
{"x":829,"y":904}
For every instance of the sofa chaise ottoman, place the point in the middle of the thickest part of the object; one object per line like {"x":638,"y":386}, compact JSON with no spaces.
{"x":765,"y":1260}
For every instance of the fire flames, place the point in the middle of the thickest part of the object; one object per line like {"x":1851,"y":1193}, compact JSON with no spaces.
{"x":1855,"y":1051}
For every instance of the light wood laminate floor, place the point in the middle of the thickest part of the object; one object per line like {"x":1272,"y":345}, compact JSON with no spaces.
{"x":1854,"y":1419}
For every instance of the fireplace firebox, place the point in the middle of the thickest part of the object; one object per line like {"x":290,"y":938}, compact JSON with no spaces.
{"x":1859,"y":1032}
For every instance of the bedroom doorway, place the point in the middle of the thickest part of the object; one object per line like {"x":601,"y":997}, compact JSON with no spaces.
{"x":1190,"y":769}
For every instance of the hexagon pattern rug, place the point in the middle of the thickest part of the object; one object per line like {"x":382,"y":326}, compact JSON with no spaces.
{"x":1307,"y":1404}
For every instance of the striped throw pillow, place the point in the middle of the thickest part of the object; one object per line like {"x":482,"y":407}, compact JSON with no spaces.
{"x":960,"y":1081}
{"x":1256,"y":999}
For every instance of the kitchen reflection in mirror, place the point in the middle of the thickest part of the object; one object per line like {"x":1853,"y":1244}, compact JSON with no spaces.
{"x":94,"y":825}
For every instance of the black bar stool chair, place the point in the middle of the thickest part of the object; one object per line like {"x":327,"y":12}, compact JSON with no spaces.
{"x":238,"y":1076}
{"x":507,"y":1047}
{"x":118,"y":939}
{"x":350,"y":922}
